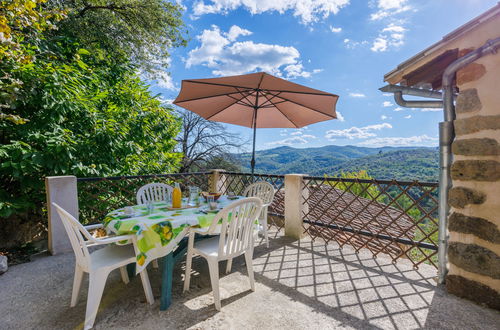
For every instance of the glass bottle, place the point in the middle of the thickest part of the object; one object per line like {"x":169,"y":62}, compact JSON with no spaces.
{"x":177,"y":197}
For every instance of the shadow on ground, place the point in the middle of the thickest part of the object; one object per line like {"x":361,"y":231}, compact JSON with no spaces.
{"x":300,"y":285}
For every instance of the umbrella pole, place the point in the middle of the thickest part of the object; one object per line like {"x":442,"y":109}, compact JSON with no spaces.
{"x":252,"y":162}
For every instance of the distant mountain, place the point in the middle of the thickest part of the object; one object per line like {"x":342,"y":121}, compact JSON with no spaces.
{"x":402,"y":163}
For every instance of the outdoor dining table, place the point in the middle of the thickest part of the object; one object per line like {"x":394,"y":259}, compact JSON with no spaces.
{"x":160,"y":233}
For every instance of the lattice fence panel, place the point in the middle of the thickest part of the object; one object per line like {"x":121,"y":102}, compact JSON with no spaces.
{"x":390,"y":217}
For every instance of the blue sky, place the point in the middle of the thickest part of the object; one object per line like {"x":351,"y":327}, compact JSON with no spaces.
{"x":340,"y":46}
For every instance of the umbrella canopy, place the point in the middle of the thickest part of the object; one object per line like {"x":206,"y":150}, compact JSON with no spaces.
{"x":256,"y":100}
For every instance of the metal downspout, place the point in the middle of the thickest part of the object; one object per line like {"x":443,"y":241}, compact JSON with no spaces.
{"x":446,"y":135}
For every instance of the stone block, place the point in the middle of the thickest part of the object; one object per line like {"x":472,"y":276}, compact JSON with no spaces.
{"x":460,"y":197}
{"x":476,"y":124}
{"x":475,"y":259}
{"x":472,"y":290}
{"x":476,"y":147}
{"x":468,"y":101}
{"x":479,"y":227}
{"x":476,"y":170}
{"x":471,"y":72}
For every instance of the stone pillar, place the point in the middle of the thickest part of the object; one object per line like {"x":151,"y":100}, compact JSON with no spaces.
{"x":216,"y":182}
{"x":63,"y":191}
{"x":294,"y":205}
{"x":474,"y":221}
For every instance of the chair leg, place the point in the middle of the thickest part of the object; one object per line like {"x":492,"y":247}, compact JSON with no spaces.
{"x":147,"y":286}
{"x":189,"y":261}
{"x":264,"y":227}
{"x":77,"y":283}
{"x":249,"y":262}
{"x":228,"y":265}
{"x":155,"y":264}
{"x":213,"y":266}
{"x":97,"y":280}
{"x":124,"y":274}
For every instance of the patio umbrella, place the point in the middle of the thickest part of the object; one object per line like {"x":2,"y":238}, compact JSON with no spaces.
{"x":256,"y":100}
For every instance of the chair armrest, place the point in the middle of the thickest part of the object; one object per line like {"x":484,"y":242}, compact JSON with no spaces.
{"x":113,"y":239}
{"x":92,"y":227}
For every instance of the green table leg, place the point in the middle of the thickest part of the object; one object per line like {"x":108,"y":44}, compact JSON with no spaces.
{"x":166,"y":281}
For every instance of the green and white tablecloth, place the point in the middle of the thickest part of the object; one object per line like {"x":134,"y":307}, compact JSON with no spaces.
{"x":159,"y":232}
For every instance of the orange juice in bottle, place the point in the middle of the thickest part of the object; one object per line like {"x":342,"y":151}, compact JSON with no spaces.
{"x":176,"y":196}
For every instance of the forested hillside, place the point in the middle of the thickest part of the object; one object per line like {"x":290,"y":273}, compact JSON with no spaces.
{"x":382,"y":163}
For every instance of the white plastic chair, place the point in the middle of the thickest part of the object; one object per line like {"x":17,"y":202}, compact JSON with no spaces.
{"x":237,"y":235}
{"x":265,"y":191}
{"x":98,"y":263}
{"x":154,"y":192}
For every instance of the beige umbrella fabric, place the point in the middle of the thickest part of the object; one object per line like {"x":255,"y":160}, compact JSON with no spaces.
{"x":256,"y":100}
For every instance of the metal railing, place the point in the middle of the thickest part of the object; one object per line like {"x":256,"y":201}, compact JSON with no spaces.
{"x":97,"y":196}
{"x":397,"y":218}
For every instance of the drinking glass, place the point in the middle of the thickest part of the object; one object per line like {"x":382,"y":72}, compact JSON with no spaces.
{"x":212,"y":205}
{"x":194,"y":193}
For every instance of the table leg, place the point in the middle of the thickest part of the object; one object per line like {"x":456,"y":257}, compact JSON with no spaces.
{"x":131,"y":270}
{"x":166,"y":281}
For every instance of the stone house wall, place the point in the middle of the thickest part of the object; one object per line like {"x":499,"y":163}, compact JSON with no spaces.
{"x":474,"y":221}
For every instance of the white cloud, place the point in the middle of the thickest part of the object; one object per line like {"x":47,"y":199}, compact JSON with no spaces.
{"x":292,"y":140}
{"x":421,"y":140}
{"x":391,"y":36}
{"x":383,"y":117}
{"x":221,"y":52}
{"x":165,"y":101}
{"x":351,"y":44}
{"x":387,"y":8}
{"x":408,"y":117}
{"x":284,"y":132}
{"x":235,"y":31}
{"x":356,"y":132}
{"x":335,"y":29}
{"x":430,"y":109}
{"x":357,"y":95}
{"x":379,"y":44}
{"x":308,"y":11}
{"x":386,"y":94}
{"x":296,"y":133}
{"x":340,"y":117}
{"x":164,"y":80}
{"x":398,"y":109}
{"x":387,"y":104}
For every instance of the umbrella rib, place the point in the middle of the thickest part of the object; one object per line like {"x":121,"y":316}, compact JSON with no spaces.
{"x":284,"y":98}
{"x":208,"y":118}
{"x":249,"y":104}
{"x":239,"y":100}
{"x":281,"y":111}
{"x":206,"y":97}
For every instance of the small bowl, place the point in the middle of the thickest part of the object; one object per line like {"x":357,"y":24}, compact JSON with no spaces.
{"x":206,"y":194}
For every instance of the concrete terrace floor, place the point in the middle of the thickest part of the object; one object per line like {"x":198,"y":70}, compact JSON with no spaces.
{"x":300,"y":285}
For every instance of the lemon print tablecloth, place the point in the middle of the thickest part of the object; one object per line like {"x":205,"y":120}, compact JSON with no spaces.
{"x":159,"y":232}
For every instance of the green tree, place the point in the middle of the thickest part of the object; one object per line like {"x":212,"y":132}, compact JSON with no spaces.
{"x":78,"y":108}
{"x":142,"y":31}
{"x":362,"y":189}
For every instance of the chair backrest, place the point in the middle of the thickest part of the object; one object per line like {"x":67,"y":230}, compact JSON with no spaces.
{"x":76,"y":233}
{"x":237,"y":227}
{"x":154,"y":192}
{"x":263,"y":190}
